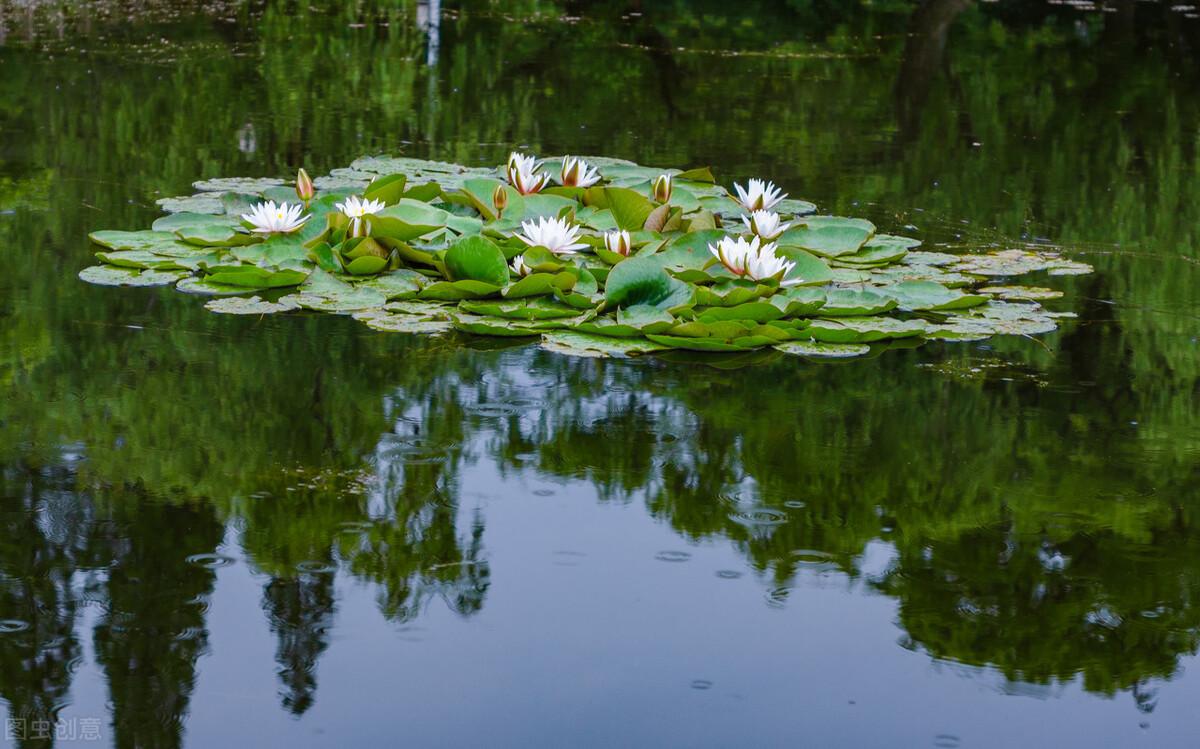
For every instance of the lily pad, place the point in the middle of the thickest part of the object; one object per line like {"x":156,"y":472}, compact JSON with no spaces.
{"x":819,"y":349}
{"x":236,"y":305}
{"x":109,"y":275}
{"x":830,"y":236}
{"x":574,"y":343}
{"x":931,"y":296}
{"x":864,"y":329}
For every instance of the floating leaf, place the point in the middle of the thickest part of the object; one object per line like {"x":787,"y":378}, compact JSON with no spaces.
{"x":253,"y":277}
{"x":574,"y":343}
{"x":238,"y":184}
{"x":830,"y":236}
{"x":643,"y":281}
{"x":864,"y":329}
{"x":630,"y":209}
{"x":851,"y":302}
{"x":928,"y":295}
{"x":399,"y":284}
{"x":820,"y":349}
{"x":236,"y":305}
{"x":109,"y":275}
{"x":1022,"y":293}
{"x":455,"y":290}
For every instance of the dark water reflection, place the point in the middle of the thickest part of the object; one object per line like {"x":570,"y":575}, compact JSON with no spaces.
{"x":300,"y":532}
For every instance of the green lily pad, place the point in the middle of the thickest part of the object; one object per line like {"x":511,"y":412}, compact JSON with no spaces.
{"x":237,"y":184}
{"x":477,"y":258}
{"x":630,"y":209}
{"x":203,"y":203}
{"x":253,"y":277}
{"x":574,"y":343}
{"x":399,"y":284}
{"x":536,"y":308}
{"x":641,"y":280}
{"x":820,"y":349}
{"x":456,"y":290}
{"x":931,"y":296}
{"x":110,"y":275}
{"x":1021,"y":293}
{"x":139,"y":259}
{"x":830,"y":236}
{"x":853,"y":302}
{"x":174,"y":221}
{"x":864,"y":329}
{"x":400,"y":323}
{"x":236,"y":305}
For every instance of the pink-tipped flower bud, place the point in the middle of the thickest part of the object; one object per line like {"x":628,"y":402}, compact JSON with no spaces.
{"x":304,"y":186}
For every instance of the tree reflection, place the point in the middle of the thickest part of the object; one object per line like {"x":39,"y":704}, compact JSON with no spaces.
{"x":1040,"y":502}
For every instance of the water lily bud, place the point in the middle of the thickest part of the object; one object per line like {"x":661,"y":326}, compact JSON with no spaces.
{"x":662,"y":188}
{"x":500,"y":199}
{"x":618,"y":242}
{"x":304,"y":186}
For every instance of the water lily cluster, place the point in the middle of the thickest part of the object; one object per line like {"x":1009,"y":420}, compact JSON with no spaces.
{"x":589,"y":255}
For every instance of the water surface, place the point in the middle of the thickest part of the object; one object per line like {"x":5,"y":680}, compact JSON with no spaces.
{"x":296,"y":531}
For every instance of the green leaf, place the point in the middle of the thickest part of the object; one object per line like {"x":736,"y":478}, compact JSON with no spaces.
{"x":818,"y":349}
{"x":932,"y":296}
{"x":139,"y":259}
{"x":367,"y":265}
{"x":698,"y":174}
{"x":755,"y":311}
{"x":181,"y":220}
{"x":108,"y":275}
{"x":477,"y":258}
{"x":629,"y":208}
{"x":455,"y":290}
{"x":853,"y":302}
{"x":399,"y":284}
{"x":236,"y":305}
{"x":864,"y":329}
{"x":536,"y":284}
{"x":540,"y":308}
{"x":641,"y":280}
{"x":830,"y":236}
{"x":574,"y":343}
{"x":389,"y":189}
{"x":251,"y":276}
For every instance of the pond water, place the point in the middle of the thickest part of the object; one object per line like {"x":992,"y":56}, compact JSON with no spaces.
{"x":296,"y":531}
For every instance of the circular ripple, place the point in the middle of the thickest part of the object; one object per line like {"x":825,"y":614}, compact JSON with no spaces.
{"x":701,"y":684}
{"x":759,"y":516}
{"x":210,"y":561}
{"x":795,"y":504}
{"x":314,"y":567}
{"x":8,"y":626}
{"x":543,"y":492}
{"x":492,"y":410}
{"x":728,"y":574}
{"x":673,"y":556}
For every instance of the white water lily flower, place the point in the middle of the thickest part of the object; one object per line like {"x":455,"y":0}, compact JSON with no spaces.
{"x":618,"y":242}
{"x":753,"y":259}
{"x":523,"y":174}
{"x":577,"y":173}
{"x":765,"y":224}
{"x":357,"y":209}
{"x":519,"y":267}
{"x":759,"y":195}
{"x":555,"y":234}
{"x":268,"y":218}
